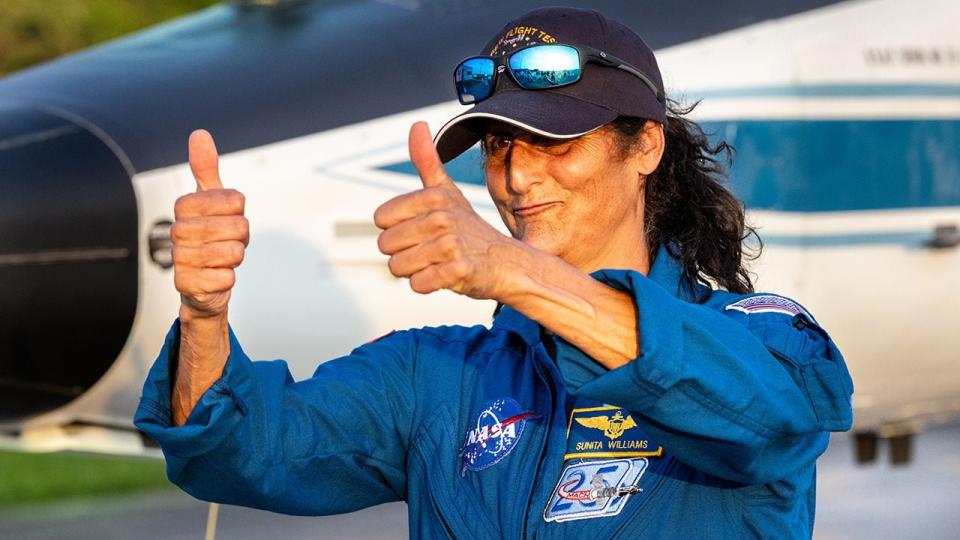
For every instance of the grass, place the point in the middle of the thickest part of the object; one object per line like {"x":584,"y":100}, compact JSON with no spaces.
{"x":30,"y":478}
{"x":32,"y":31}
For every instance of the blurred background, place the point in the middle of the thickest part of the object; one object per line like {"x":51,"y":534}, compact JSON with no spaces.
{"x":73,"y":466}
{"x":32,"y":32}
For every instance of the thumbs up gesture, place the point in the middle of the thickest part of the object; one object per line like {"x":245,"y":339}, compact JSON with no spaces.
{"x":434,"y":237}
{"x":209,"y":236}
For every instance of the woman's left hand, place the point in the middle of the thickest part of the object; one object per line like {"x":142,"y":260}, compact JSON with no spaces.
{"x":434,"y":237}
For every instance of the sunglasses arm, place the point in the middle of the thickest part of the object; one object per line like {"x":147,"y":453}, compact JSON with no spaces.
{"x":612,"y":61}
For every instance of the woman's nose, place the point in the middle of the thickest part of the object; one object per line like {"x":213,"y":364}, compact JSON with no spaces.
{"x":524,"y":167}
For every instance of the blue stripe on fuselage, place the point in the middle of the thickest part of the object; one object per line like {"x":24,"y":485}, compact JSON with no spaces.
{"x":467,"y":168}
{"x":843,"y":165}
{"x":821,"y":165}
{"x":909,"y":239}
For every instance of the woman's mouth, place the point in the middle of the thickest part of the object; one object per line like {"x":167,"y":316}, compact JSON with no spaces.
{"x":532,"y":209}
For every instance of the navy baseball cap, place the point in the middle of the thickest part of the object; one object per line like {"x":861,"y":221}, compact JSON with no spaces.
{"x":599,"y":97}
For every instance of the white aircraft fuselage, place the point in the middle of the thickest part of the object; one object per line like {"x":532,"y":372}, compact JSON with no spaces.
{"x":845,"y":120}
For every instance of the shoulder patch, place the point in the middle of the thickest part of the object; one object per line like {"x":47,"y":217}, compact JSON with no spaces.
{"x":768,"y":303}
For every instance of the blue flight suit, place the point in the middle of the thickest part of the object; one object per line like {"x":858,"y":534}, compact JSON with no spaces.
{"x":511,"y":432}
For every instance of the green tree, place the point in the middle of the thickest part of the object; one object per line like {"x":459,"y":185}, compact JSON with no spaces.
{"x":32,"y":31}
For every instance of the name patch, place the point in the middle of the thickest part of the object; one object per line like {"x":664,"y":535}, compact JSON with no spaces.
{"x":606,"y":432}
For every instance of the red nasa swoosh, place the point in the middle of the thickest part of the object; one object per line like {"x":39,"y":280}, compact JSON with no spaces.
{"x":471,"y":452}
{"x":507,"y":422}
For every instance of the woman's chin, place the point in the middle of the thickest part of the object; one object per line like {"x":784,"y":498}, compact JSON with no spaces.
{"x":542,"y":243}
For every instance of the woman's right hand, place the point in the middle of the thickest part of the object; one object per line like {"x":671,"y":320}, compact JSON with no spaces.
{"x":209,"y":236}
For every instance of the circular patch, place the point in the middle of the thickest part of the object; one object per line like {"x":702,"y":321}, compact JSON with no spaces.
{"x":494,"y":433}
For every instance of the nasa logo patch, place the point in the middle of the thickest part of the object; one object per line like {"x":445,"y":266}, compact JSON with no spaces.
{"x":493,"y":434}
{"x":768,"y":303}
{"x":593,"y":489}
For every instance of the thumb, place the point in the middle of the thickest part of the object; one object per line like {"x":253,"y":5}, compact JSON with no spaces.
{"x":425,"y":158}
{"x":204,"y":162}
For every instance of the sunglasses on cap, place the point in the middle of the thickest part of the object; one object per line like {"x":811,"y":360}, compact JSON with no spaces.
{"x":536,"y":67}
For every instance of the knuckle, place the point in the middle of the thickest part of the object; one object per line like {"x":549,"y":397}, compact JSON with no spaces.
{"x":236,"y":200}
{"x":217,"y":280}
{"x":237,"y":252}
{"x":243,"y":227}
{"x":180,"y":205}
{"x":378,"y":217}
{"x":382,"y":243}
{"x":450,"y":244}
{"x":394,"y":266}
{"x":419,"y":285}
{"x":441,"y":220}
{"x":177,"y":232}
{"x":182,"y":282}
{"x":460,"y":269}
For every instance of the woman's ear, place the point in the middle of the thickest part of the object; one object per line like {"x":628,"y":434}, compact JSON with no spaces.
{"x":652,"y":143}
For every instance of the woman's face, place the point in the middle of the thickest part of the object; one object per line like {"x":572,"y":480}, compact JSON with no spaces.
{"x":579,"y":199}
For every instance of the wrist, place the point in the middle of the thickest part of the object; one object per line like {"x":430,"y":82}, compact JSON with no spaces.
{"x":189,"y":315}
{"x":204,"y":349}
{"x":204,"y":345}
{"x":518,"y":279}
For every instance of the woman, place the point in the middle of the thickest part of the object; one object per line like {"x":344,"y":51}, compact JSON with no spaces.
{"x":616,"y":392}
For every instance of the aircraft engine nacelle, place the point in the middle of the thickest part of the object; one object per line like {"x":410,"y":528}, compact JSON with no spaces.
{"x":68,"y":258}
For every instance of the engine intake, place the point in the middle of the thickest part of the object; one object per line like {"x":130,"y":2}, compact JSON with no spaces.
{"x":68,"y":260}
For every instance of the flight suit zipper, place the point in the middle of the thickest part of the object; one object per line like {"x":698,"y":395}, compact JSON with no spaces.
{"x":548,"y":420}
{"x":442,"y":519}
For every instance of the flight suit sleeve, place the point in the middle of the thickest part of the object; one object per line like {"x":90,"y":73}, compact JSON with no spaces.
{"x":333,"y":443}
{"x":746,"y":397}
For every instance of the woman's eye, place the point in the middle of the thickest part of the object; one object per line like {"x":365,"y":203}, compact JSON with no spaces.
{"x":499,"y":144}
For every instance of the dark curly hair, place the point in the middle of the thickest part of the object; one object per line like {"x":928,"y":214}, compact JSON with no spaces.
{"x":686,"y":206}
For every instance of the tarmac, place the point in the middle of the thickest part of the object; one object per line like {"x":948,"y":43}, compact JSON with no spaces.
{"x":877,"y":502}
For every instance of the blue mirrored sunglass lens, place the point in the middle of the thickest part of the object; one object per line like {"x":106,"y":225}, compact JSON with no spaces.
{"x":474,"y":79}
{"x":545,"y":66}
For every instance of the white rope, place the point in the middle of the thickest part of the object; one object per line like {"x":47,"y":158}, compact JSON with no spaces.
{"x":211,"y":533}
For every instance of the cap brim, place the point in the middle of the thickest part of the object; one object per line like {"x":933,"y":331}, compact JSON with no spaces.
{"x":545,"y":113}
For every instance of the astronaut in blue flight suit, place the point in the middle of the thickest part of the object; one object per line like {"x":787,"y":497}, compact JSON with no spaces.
{"x":600,"y":404}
